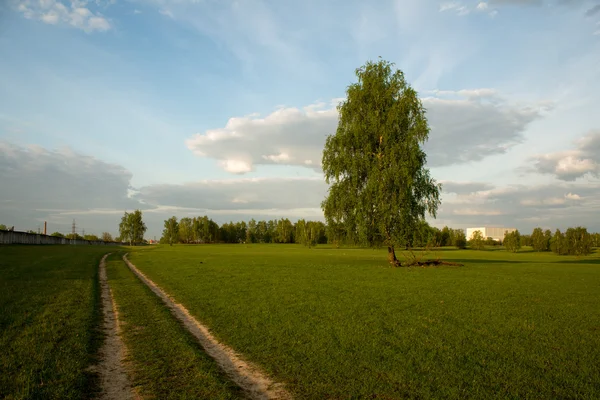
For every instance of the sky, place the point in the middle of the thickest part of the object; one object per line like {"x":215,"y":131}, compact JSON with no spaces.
{"x":221,"y":108}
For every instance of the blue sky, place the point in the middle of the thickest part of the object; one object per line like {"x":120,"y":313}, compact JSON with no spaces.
{"x":191,"y":107}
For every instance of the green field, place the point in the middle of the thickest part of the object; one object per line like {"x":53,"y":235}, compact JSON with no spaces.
{"x":339,"y":323}
{"x":329,"y":323}
{"x":49,"y":319}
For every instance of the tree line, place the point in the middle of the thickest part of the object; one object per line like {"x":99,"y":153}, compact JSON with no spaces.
{"x":205,"y":230}
{"x":574,"y":241}
{"x":191,"y":230}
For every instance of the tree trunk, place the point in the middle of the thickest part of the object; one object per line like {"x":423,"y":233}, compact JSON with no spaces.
{"x":392,"y":256}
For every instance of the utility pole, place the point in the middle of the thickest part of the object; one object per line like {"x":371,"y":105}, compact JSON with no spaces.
{"x":73,"y":231}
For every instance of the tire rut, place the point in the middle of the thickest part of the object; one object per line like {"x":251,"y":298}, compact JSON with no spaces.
{"x":247,"y":376}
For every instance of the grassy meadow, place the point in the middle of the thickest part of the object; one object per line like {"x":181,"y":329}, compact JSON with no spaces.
{"x":329,"y":323}
{"x":340,"y":323}
{"x":49,"y":320}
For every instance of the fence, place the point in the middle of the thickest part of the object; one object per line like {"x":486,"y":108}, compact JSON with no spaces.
{"x":11,"y":237}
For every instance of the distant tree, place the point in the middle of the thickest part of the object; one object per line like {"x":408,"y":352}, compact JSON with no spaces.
{"x":171,"y":232}
{"x":596,"y":239}
{"x":241,"y":229}
{"x":74,"y":236}
{"x":512,"y":241}
{"x":3,"y":227}
{"x":106,"y":237}
{"x":132,"y":227}
{"x":446,"y":239}
{"x":92,"y":238}
{"x":477,"y":241}
{"x":284,"y":231}
{"x":547,"y":237}
{"x":374,"y":163}
{"x":578,"y":241}
{"x":526,"y":240}
{"x":539,"y":240}
{"x":251,"y":232}
{"x":57,"y":234}
{"x":186,"y":232}
{"x":557,"y":244}
{"x":459,"y":239}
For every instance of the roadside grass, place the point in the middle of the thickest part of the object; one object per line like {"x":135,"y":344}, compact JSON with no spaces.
{"x":49,"y":319}
{"x":340,"y":323}
{"x":165,"y":360}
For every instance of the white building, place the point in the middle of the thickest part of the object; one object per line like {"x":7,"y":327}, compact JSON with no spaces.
{"x":495,"y":233}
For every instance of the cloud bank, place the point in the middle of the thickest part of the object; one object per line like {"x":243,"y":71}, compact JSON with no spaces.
{"x":466,"y":125}
{"x":74,"y":13}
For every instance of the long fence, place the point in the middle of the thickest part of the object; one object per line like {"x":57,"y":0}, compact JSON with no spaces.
{"x":12,"y":237}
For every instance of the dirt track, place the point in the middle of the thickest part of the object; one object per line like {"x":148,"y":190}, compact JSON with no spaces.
{"x":114,"y":381}
{"x":249,"y":377}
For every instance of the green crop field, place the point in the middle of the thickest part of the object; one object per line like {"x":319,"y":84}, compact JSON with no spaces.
{"x":340,"y":323}
{"x":49,"y":319}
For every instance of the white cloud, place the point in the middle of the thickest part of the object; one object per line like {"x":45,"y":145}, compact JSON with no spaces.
{"x":572,"y":164}
{"x":454,"y":6}
{"x":462,"y":10}
{"x":553,"y":206}
{"x":252,"y":194}
{"x":34,"y":179}
{"x":288,"y":136}
{"x":236,"y":166}
{"x":167,"y":13}
{"x":55,"y":11}
{"x":466,"y":125}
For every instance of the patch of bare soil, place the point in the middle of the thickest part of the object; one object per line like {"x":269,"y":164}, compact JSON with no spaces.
{"x":250,"y":378}
{"x":114,"y":382}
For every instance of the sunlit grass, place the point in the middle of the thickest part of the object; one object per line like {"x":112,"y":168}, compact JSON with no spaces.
{"x":334,"y":323}
{"x":166,"y":360}
{"x":49,"y":315}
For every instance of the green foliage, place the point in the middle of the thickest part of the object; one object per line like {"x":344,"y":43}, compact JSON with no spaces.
{"x":186,"y":230}
{"x":575,"y":241}
{"x":459,"y":239}
{"x":579,"y":241}
{"x":106,"y":237}
{"x":132,"y":227}
{"x":3,"y":227}
{"x":285,"y":231}
{"x":512,"y":241}
{"x":477,"y":241}
{"x":310,"y":233}
{"x":92,"y":238}
{"x":57,"y":234}
{"x":171,"y":231}
{"x":596,"y":239}
{"x":379,"y":187}
{"x":540,"y":240}
{"x":558,"y":244}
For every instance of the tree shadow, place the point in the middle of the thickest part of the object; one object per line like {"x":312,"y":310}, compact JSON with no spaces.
{"x":486,"y":261}
{"x":591,"y":261}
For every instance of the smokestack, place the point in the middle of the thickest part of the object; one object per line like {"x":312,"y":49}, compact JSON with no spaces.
{"x":45,"y":226}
